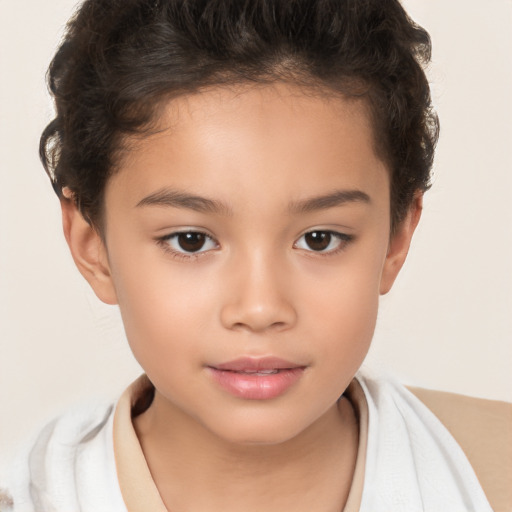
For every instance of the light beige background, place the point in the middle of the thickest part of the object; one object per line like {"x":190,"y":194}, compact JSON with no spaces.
{"x":446,"y":325}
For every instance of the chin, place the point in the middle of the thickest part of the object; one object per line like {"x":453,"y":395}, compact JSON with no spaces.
{"x":258,"y":431}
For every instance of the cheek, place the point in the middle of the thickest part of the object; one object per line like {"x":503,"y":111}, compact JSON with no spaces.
{"x":345,"y":306}
{"x":161,"y":306}
{"x":340,"y":329}
{"x":348,"y":321}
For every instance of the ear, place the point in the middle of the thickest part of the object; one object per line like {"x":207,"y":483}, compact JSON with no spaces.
{"x":88,"y":251}
{"x":399,"y":244}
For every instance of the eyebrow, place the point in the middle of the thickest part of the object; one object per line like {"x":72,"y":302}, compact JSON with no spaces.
{"x":332,"y":200}
{"x":178,"y":199}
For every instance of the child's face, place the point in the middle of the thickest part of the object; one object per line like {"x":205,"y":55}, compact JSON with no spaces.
{"x":287,"y":209}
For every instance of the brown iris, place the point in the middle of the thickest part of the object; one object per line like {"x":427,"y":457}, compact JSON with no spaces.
{"x":318,"y":240}
{"x":191,"y":242}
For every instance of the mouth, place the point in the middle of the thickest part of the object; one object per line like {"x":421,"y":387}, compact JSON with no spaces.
{"x":257,"y":378}
{"x":256,"y":372}
{"x":251,"y":365}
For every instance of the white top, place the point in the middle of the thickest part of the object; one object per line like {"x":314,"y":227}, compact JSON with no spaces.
{"x":89,"y":460}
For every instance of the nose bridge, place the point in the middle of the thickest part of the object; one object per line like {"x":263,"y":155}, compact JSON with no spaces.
{"x":257,"y":298}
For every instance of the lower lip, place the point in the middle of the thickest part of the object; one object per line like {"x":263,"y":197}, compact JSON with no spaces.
{"x":257,"y":387}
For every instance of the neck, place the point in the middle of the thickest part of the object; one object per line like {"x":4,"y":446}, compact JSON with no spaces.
{"x":194,"y":469}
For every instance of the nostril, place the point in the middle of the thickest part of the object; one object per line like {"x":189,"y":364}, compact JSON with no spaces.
{"x":263,"y":326}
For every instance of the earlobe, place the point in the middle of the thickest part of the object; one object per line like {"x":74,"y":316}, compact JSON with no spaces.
{"x":88,"y":251}
{"x":399,"y":244}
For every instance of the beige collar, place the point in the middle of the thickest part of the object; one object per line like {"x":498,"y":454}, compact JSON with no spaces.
{"x":137,"y":486}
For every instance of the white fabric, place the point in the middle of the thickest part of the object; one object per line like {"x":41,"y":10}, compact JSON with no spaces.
{"x":70,"y":467}
{"x":412,"y":464}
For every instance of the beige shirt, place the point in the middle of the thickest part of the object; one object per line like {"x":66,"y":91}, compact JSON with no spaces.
{"x":483,"y":429}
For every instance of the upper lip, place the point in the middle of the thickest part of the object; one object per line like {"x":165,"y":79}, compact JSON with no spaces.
{"x":256,"y":364}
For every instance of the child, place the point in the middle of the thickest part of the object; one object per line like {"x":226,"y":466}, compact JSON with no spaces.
{"x":244,"y":179}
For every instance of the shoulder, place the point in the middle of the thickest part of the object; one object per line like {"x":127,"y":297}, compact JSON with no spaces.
{"x":483,"y":429}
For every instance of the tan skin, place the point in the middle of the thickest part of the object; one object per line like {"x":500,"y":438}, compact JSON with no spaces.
{"x":256,"y":287}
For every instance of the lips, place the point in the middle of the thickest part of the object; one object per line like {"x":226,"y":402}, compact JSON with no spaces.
{"x":257,"y":378}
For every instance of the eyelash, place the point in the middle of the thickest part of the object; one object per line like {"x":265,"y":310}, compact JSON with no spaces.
{"x":343,"y":238}
{"x":179,"y":255}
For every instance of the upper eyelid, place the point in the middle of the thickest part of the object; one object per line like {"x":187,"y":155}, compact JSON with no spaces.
{"x":181,"y":231}
{"x":184,"y":255}
{"x":339,"y":234}
{"x":174,"y":234}
{"x":344,"y":240}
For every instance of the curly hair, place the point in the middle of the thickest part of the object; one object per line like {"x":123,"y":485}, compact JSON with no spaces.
{"x":121,"y":59}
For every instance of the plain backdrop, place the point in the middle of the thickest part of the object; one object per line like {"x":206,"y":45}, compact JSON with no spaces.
{"x":447,"y":324}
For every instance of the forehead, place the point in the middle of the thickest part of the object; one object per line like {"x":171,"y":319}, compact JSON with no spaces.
{"x":255,"y":140}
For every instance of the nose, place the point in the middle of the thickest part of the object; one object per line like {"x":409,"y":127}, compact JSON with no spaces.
{"x":257,"y":297}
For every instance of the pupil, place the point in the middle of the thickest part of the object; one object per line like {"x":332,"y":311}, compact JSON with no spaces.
{"x":191,"y":242}
{"x":318,"y":240}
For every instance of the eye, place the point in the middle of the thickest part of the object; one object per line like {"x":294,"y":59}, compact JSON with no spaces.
{"x":323,"y":241}
{"x":189,"y":242}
